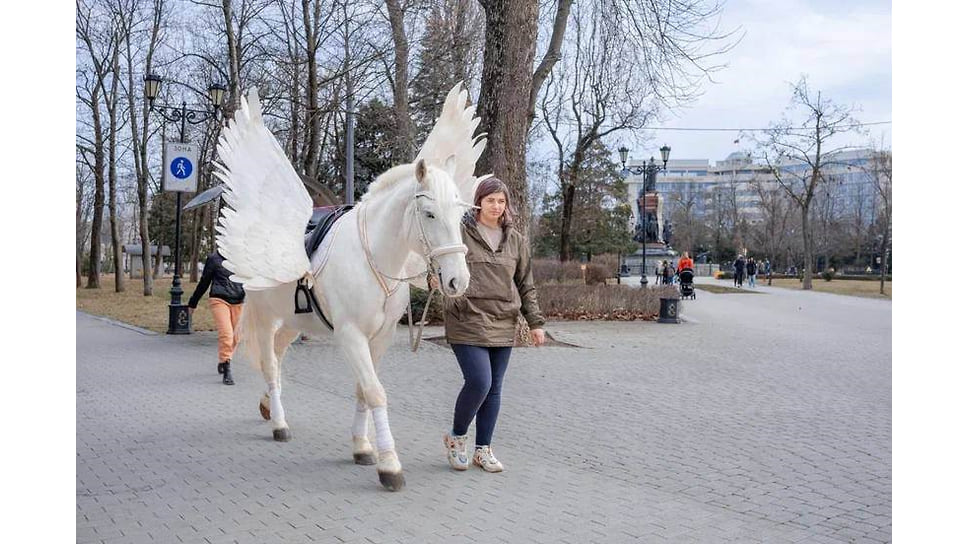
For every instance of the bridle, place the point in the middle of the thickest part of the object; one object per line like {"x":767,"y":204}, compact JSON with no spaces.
{"x":429,"y":254}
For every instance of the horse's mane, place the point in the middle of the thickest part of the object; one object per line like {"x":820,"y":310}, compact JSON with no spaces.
{"x":388,"y":179}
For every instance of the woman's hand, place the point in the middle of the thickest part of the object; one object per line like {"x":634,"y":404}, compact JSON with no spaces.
{"x":433,"y":281}
{"x":538,"y":336}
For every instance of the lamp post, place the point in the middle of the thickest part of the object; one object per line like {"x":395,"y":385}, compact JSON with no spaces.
{"x":178,"y":320}
{"x":648,"y":185}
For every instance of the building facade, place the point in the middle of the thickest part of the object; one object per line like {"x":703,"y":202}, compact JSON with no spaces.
{"x":733,"y":182}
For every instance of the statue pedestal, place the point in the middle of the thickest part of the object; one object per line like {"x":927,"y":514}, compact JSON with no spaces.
{"x":654,"y":255}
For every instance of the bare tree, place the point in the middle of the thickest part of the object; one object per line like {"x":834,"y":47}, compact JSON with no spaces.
{"x":776,"y":210}
{"x":592,"y":94}
{"x":403,"y":149}
{"x":798,"y":155}
{"x":133,"y":15}
{"x":882,"y":178}
{"x":672,"y":38}
{"x":98,"y":45}
{"x":683,"y":203}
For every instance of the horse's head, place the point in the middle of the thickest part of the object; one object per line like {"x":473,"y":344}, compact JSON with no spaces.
{"x":438,"y":211}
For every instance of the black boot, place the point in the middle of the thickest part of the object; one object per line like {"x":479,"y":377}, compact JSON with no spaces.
{"x":227,"y":375}
{"x":221,"y":368}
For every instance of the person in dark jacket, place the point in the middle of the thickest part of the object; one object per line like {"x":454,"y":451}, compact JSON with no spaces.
{"x":225,"y":300}
{"x":480,"y":326}
{"x":739,"y":271}
{"x":751,"y":271}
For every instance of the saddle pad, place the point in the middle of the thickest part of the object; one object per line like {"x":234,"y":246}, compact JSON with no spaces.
{"x":320,"y":223}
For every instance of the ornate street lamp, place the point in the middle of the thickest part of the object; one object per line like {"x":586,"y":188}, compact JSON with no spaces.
{"x":178,"y":320}
{"x":648,"y":185}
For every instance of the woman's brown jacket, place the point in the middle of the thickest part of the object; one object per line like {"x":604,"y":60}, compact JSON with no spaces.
{"x":500,"y":287}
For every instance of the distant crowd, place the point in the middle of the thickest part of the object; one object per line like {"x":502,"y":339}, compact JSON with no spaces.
{"x":746,"y":269}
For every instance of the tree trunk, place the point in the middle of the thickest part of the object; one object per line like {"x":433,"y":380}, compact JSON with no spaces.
{"x":807,"y":250}
{"x":94,"y":272}
{"x":403,"y":144}
{"x":568,"y":204}
{"x":140,"y":150}
{"x":198,"y":222}
{"x":112,"y":104}
{"x":312,"y":90}
{"x":504,"y":105}
{"x":232,"y":45}
{"x":884,"y":258}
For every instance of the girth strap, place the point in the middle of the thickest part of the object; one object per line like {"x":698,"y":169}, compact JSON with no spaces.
{"x":306,"y":301}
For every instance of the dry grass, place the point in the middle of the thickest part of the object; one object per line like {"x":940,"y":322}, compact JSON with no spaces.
{"x":133,"y":308}
{"x":856,"y":288}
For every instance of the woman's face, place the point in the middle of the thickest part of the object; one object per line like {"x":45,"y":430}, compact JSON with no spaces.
{"x":493,"y":206}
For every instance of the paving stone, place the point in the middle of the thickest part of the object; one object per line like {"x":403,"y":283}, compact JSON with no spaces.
{"x":775,"y":429}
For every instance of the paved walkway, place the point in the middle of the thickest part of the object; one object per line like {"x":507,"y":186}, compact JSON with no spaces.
{"x":761,"y":418}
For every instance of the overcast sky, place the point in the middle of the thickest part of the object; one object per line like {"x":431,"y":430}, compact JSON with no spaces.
{"x":844,"y":47}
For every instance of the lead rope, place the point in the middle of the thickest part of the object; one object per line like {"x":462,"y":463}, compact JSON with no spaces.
{"x":415,"y":343}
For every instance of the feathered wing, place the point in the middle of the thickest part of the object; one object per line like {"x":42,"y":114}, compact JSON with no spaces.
{"x":262,"y":227}
{"x":453,"y":134}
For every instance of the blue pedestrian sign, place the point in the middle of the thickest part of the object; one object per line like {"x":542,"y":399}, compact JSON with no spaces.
{"x":181,"y":167}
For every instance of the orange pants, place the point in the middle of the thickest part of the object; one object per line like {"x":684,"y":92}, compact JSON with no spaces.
{"x":227,"y":323}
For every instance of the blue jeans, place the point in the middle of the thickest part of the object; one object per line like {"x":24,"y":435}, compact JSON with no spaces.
{"x":483,"y":370}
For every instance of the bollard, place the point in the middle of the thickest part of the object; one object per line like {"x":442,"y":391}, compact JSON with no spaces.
{"x":669,"y":310}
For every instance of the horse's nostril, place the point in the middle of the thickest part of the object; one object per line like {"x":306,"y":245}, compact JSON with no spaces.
{"x":453,"y":287}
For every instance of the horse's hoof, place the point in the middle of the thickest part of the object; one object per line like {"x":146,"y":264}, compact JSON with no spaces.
{"x":264,"y":410}
{"x":281,"y":435}
{"x":392,"y":481}
{"x":364,"y":458}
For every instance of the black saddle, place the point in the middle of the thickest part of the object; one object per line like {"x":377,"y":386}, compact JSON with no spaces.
{"x":319,"y":224}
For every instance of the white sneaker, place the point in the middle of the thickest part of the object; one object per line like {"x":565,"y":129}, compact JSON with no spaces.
{"x":484,"y":458}
{"x":456,"y":451}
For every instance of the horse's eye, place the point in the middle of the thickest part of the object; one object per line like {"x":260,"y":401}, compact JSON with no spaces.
{"x":430,"y":215}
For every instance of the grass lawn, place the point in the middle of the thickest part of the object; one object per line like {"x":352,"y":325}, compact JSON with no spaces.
{"x":719,"y":289}
{"x":133,"y":308}
{"x":856,"y":288}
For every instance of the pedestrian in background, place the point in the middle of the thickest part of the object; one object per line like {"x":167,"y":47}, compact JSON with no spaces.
{"x":739,"y":270}
{"x":751,"y":271}
{"x":225,"y":299}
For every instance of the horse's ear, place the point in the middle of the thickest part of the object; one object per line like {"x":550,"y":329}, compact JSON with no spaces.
{"x":450,"y":165}
{"x":421,"y":172}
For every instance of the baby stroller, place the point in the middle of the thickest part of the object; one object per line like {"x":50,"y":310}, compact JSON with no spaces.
{"x":686,"y":289}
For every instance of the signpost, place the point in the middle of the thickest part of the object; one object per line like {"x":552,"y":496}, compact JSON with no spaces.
{"x":181,"y":176}
{"x":181,"y":167}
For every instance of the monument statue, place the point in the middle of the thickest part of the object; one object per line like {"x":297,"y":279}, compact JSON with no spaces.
{"x":667,"y":233}
{"x":652,"y":229}
{"x":650,"y":173}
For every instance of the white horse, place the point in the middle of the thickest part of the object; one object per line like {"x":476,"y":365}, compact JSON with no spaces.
{"x":407,"y":223}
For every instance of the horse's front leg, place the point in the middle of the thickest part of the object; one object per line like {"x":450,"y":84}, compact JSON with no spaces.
{"x":357,"y":348}
{"x":362,"y":449}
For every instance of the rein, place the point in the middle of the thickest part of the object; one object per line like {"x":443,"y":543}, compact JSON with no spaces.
{"x":430,"y":255}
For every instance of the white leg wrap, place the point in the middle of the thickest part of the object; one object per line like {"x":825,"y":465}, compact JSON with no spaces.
{"x":275,"y":408}
{"x":384,"y":440}
{"x":361,"y":419}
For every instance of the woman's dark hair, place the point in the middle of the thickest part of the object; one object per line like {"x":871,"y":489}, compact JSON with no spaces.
{"x":491,"y":186}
